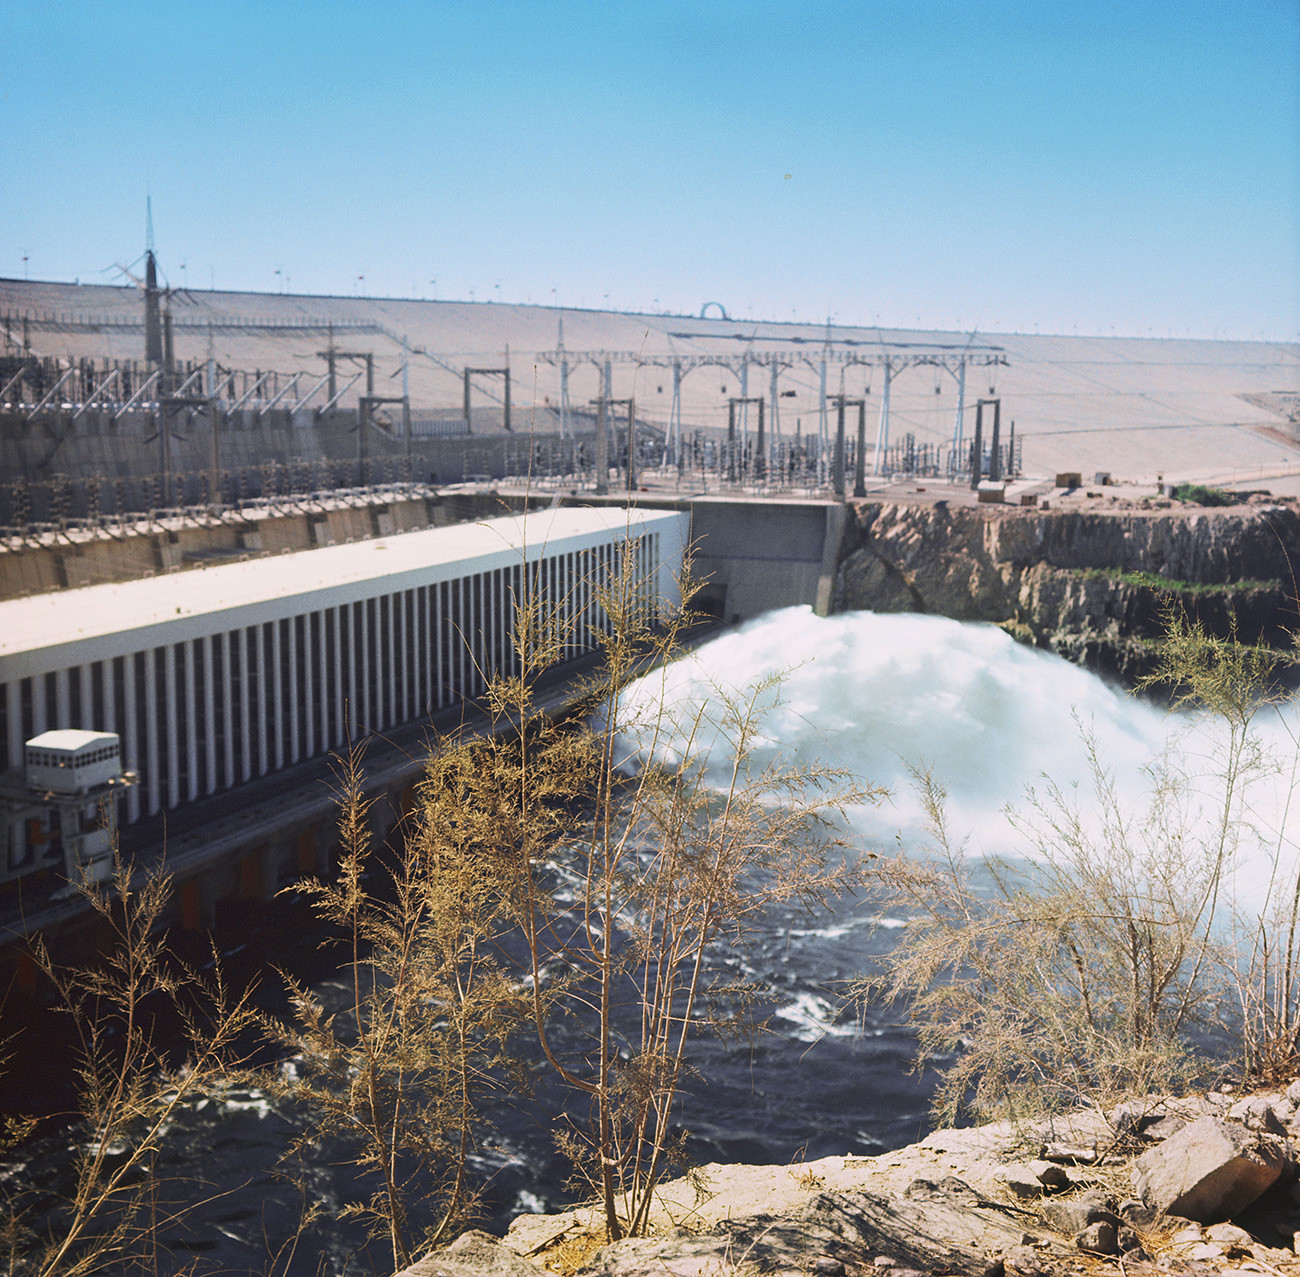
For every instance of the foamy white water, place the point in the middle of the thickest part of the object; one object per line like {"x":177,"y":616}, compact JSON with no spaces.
{"x":879,"y":695}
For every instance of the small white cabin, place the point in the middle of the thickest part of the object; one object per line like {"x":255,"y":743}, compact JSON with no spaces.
{"x":71,"y":761}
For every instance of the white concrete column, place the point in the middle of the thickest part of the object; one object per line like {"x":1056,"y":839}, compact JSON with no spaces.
{"x":500,"y":625}
{"x":88,"y":718}
{"x":258,"y":636}
{"x":411,"y":613}
{"x":39,"y":705}
{"x":349,"y":611}
{"x":362,"y":611}
{"x":17,"y":849}
{"x":227,"y":706}
{"x":110,"y":697}
{"x":460,"y":636}
{"x":63,"y":700}
{"x":210,"y":712}
{"x":437,"y":645}
{"x":191,"y":741}
{"x":396,"y":663}
{"x":483,"y":631}
{"x":13,"y":694}
{"x":388,"y":670}
{"x":130,"y":737}
{"x":339,"y":675}
{"x":244,"y":640}
{"x":291,"y":640}
{"x":313,"y":694}
{"x":568,"y":601}
{"x":360,"y":666}
{"x":167,"y":654}
{"x":403,"y":714}
{"x":419,"y":636}
{"x":277,"y":696}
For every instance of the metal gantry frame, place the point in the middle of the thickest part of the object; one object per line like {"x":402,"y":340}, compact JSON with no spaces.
{"x":893,"y":357}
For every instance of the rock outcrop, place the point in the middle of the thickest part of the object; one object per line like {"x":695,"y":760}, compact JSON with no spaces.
{"x":1065,"y":579}
{"x":1202,"y":1188}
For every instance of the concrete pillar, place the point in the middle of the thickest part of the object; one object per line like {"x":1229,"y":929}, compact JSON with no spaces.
{"x":313,"y":687}
{"x":278,"y":725}
{"x":191,"y":742}
{"x":246,"y":641}
{"x":295,"y":674}
{"x":130,"y":740}
{"x":328,"y":676}
{"x":110,"y":723}
{"x":259,"y":657}
{"x":405,"y":611}
{"x":361,"y":612}
{"x":340,"y":680}
{"x":258,"y":872}
{"x":425,"y":651}
{"x":198,"y":899}
{"x":12,"y":692}
{"x":63,"y":700}
{"x":348,"y":612}
{"x":437,"y":644}
{"x":223,"y":644}
{"x":173,"y":742}
{"x":460,"y":637}
{"x":310,"y":851}
{"x":39,"y":705}
{"x":388,"y":671}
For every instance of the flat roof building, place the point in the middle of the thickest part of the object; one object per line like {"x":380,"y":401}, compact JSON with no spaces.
{"x":214,"y":677}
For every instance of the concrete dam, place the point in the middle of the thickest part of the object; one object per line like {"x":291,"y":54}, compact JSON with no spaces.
{"x":240,"y":680}
{"x":264,"y":539}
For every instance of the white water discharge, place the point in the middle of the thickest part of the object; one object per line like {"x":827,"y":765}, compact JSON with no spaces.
{"x":880,"y":695}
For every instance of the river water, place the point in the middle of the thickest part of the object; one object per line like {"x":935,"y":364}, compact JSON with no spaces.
{"x":879,"y":696}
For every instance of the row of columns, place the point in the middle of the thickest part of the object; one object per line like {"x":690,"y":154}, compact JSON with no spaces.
{"x":209,"y":713}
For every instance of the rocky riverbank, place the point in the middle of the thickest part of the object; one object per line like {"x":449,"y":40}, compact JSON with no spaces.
{"x":1203,"y":1185}
{"x":1089,"y":584}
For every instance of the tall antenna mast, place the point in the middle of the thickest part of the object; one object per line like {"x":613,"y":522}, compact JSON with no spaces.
{"x":153,"y":339}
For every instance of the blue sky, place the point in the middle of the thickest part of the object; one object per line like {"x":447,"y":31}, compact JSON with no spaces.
{"x":1024,"y":166}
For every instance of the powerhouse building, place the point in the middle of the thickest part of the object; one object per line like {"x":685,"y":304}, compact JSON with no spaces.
{"x":214,"y":677}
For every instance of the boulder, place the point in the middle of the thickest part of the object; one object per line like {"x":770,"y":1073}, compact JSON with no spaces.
{"x":1209,"y":1170}
{"x":474,"y":1254}
{"x":1157,"y":1117}
{"x":1259,"y":1113}
{"x":1071,"y":1215}
{"x":1025,"y":1261}
{"x":1101,"y":1238}
{"x":1033,"y":1179}
{"x":1228,"y":1235}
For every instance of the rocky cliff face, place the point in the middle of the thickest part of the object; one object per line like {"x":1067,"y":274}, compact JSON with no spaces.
{"x":1065,"y":580}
